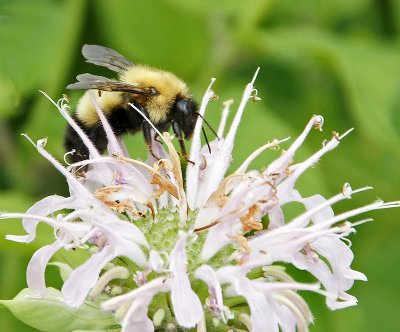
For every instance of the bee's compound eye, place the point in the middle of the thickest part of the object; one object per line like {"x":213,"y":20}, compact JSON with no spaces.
{"x":153,"y":91}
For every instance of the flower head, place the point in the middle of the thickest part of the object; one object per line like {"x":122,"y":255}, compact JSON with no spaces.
{"x":205,"y":255}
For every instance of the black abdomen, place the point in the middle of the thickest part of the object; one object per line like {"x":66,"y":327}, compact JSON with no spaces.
{"x":120,"y":120}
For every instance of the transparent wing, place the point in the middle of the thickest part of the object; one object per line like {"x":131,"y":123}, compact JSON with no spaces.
{"x":89,"y":81}
{"x":106,"y":57}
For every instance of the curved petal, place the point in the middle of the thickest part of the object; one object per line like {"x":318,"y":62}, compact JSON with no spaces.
{"x":83,"y":278}
{"x":209,"y":276}
{"x":42,"y":208}
{"x":136,"y":318}
{"x":187,"y":306}
{"x":37,"y":266}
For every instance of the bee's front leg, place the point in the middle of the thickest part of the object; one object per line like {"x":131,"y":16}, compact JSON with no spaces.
{"x":146,"y":128}
{"x":178,"y":133}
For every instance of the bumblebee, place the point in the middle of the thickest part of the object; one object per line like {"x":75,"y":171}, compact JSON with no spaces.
{"x":160,"y":95}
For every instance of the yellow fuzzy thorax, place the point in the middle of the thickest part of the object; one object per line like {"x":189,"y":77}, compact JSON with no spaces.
{"x":86,"y":112}
{"x":167,"y":85}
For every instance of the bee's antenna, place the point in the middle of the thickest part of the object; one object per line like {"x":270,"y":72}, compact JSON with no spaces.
{"x":209,"y":126}
{"x":205,"y":136}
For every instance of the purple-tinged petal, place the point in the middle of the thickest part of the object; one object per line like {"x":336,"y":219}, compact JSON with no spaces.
{"x":336,"y":278}
{"x":156,"y":263}
{"x":290,"y":309}
{"x":340,"y":257}
{"x":314,"y":201}
{"x":130,"y":250}
{"x":136,"y":318}
{"x":43,"y":208}
{"x":276,"y":218}
{"x":123,"y":244}
{"x":124,"y":149}
{"x":216,"y":239}
{"x":209,"y":276}
{"x":187,"y":306}
{"x":132,"y":175}
{"x":37,"y":265}
{"x":83,"y":278}
{"x":116,"y":227}
{"x":262,"y":316}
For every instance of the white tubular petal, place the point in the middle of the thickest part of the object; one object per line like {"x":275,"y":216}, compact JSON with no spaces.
{"x":156,"y":263}
{"x":318,"y":208}
{"x":44,"y":207}
{"x":276,"y":218}
{"x":116,"y":227}
{"x":148,"y":290}
{"x":48,"y":221}
{"x":281,"y":163}
{"x":223,"y":157}
{"x":131,"y":174}
{"x":37,"y":266}
{"x":85,"y":139}
{"x":286,"y":186}
{"x":216,"y":239}
{"x":74,"y":184}
{"x":255,"y":154}
{"x":187,"y":307}
{"x":192,"y":171}
{"x":343,"y":216}
{"x":124,"y":149}
{"x":209,"y":276}
{"x":224,"y":117}
{"x":262,"y":315}
{"x":235,"y":124}
{"x":136,"y":318}
{"x":83,"y":278}
{"x":128,"y":249}
{"x":113,"y":146}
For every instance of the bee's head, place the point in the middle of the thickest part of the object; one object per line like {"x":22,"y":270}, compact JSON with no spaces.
{"x":185,"y":113}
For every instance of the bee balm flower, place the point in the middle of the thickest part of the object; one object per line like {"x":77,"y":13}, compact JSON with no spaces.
{"x":207,"y":255}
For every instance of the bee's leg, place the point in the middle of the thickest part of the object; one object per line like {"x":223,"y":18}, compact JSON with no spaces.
{"x":72,"y":141}
{"x":178,"y":133}
{"x":156,"y":138}
{"x":146,"y":128}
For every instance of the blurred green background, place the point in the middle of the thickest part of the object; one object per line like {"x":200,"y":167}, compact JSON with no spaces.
{"x":337,"y":58}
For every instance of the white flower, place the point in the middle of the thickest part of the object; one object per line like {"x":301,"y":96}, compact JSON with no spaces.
{"x":206,"y":247}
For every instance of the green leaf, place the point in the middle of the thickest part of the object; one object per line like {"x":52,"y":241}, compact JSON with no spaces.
{"x":65,"y":269}
{"x":51,"y":314}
